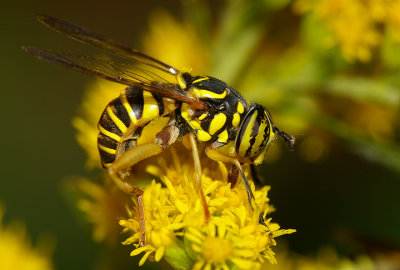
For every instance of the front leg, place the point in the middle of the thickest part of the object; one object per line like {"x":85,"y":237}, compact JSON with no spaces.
{"x":227,"y":156}
{"x":212,"y":151}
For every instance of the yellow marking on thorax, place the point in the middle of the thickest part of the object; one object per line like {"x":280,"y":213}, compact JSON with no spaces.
{"x":217,"y":123}
{"x":202,"y":93}
{"x":128,"y":107}
{"x":195,"y":124}
{"x":181,"y":81}
{"x":116,"y":120}
{"x":201,"y":79}
{"x":150,"y":107}
{"x":107,"y":150}
{"x":203,"y":136}
{"x":223,"y":136}
{"x":109,"y":134}
{"x":240,"y":108}
{"x":204,"y":115}
{"x":186,"y":113}
{"x":236,"y":120}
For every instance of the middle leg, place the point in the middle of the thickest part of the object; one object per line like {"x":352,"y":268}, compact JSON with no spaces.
{"x":216,"y":155}
{"x":199,"y":184}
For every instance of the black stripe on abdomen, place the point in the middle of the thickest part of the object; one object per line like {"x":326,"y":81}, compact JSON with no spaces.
{"x":120,"y":111}
{"x":159,"y":102}
{"x":134,"y":97}
{"x":108,"y":124}
{"x":106,"y":145}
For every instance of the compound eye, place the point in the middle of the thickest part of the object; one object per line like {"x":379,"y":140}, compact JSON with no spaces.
{"x":254,"y":133}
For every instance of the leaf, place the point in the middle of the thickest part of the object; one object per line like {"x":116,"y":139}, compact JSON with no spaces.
{"x":176,"y":256}
{"x":365,"y":90}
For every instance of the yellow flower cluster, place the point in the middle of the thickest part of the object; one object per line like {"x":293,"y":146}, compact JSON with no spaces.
{"x":355,"y":24}
{"x":174,"y":217}
{"x":102,"y":205}
{"x":16,"y":251}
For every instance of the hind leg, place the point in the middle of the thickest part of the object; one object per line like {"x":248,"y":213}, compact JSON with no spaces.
{"x":125,"y":161}
{"x":167,"y":136}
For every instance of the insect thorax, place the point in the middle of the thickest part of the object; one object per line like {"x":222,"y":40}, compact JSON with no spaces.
{"x":226,"y":110}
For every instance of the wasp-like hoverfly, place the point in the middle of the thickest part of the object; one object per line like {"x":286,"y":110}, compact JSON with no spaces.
{"x":203,"y":108}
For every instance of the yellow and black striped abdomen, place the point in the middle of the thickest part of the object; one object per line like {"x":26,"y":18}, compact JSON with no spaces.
{"x":123,"y":119}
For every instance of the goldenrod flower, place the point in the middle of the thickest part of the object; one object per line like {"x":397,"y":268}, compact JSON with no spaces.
{"x":102,"y":205}
{"x":161,"y":226}
{"x":223,"y":243}
{"x":355,"y":24}
{"x":17,"y":252}
{"x":174,"y":218}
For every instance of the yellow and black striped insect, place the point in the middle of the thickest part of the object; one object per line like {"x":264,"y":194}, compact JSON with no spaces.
{"x":203,"y":108}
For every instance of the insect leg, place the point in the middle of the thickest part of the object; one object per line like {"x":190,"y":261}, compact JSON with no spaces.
{"x":142,"y":220}
{"x":216,"y":155}
{"x":233,"y":175}
{"x":250,"y":194}
{"x":125,"y":161}
{"x":164,"y":138}
{"x":131,"y":157}
{"x":197,"y":166}
{"x":130,"y":189}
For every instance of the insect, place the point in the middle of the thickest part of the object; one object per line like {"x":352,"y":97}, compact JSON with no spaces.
{"x":201,"y":108}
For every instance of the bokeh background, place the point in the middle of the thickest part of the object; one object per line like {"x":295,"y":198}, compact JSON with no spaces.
{"x":339,"y":188}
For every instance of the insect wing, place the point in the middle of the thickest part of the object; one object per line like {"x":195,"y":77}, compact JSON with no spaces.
{"x":91,"y":38}
{"x":116,"y":72}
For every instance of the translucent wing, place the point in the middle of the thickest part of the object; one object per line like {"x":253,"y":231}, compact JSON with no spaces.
{"x":116,"y":72}
{"x":89,"y":37}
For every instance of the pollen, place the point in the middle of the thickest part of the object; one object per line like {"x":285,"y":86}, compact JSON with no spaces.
{"x":217,"y":250}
